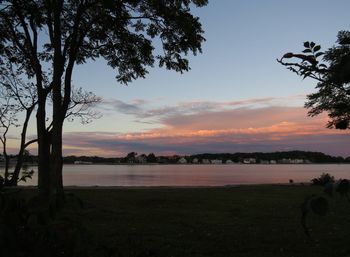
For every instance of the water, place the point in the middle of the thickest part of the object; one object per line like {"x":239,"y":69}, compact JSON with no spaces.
{"x":194,"y":175}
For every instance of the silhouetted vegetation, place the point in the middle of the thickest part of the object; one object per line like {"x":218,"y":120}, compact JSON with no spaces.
{"x":319,"y":204}
{"x":33,"y":226}
{"x":331,"y":69}
{"x":314,"y":157}
{"x":49,"y":38}
{"x":323,"y":180}
{"x":279,"y":157}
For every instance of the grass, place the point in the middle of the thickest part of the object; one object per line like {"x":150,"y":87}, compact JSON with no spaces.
{"x":236,"y":221}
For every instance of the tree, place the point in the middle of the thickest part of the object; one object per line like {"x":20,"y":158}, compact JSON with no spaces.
{"x":8,"y":119}
{"x":48,"y":38}
{"x":18,"y":96}
{"x":151,"y":158}
{"x":331,"y":69}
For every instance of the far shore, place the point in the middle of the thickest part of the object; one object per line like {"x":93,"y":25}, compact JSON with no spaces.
{"x":73,"y":187}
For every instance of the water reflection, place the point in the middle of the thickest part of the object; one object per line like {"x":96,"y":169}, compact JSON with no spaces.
{"x":193,"y":175}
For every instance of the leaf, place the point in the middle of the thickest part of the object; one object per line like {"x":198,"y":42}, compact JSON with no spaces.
{"x":317,"y":48}
{"x":312,"y":44}
{"x":319,"y":206}
{"x":307,"y":50}
{"x":307,"y":44}
{"x":319,"y":54}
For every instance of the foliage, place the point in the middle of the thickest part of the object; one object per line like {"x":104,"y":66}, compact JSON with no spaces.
{"x":332,"y":71}
{"x":319,"y":204}
{"x":36,"y":227}
{"x":45,"y":40}
{"x":151,"y":158}
{"x":323,"y":180}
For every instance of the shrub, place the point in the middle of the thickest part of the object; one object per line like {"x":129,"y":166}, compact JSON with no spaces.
{"x":323,"y":180}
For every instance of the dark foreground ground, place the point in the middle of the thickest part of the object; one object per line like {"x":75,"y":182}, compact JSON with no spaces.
{"x":235,"y":221}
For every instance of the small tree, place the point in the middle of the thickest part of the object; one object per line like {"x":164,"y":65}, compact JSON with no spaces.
{"x":332,"y":71}
{"x":8,"y":119}
{"x":151,"y":158}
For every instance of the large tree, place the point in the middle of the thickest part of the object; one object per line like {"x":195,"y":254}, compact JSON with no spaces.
{"x":46,"y":39}
{"x":331,"y":69}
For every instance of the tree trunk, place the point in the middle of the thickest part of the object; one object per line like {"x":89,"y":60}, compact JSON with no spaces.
{"x":56,"y":158}
{"x":18,"y":167}
{"x":43,"y":147}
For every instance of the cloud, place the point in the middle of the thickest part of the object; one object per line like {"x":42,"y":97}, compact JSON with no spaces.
{"x":142,"y":108}
{"x":241,"y":129}
{"x":120,"y":106}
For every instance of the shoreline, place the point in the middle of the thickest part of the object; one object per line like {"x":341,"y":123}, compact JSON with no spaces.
{"x":72,"y":187}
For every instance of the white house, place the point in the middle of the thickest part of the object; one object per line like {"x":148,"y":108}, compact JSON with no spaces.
{"x":205,"y":161}
{"x":249,"y":160}
{"x":216,"y":161}
{"x":195,"y":161}
{"x":82,"y":162}
{"x":182,"y":160}
{"x":141,"y":158}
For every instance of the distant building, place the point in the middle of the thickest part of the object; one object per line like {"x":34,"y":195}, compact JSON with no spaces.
{"x":229,"y":162}
{"x":216,"y":161}
{"x":141,"y":158}
{"x":297,"y":161}
{"x":195,"y":161}
{"x":273,"y":162}
{"x":182,"y":160}
{"x":82,"y":162}
{"x":249,"y":160}
{"x":264,"y":162}
{"x":162,"y":160}
{"x":205,"y":161}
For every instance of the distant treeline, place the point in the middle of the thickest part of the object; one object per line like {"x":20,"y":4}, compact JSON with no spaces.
{"x":313,"y":157}
{"x":279,"y":157}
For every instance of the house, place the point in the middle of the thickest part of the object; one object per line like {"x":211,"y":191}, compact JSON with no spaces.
{"x":249,"y":160}
{"x":285,"y":161}
{"x":273,"y":162}
{"x":82,"y":162}
{"x":141,"y":158}
{"x":229,"y":162}
{"x":195,"y":161}
{"x":182,"y":160}
{"x":205,"y":161}
{"x":298,"y":161}
{"x":216,"y":161}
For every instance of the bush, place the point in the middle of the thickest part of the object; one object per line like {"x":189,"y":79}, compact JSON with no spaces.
{"x":323,"y":180}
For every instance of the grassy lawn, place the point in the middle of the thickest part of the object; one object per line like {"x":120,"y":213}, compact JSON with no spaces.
{"x":239,"y":221}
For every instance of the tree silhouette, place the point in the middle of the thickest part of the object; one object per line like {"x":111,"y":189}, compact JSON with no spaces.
{"x":332,"y":71}
{"x":46,"y":39}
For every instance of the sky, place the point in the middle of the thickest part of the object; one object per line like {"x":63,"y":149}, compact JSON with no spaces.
{"x":235,"y":98}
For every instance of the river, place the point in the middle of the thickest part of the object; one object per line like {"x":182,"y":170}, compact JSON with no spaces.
{"x":194,"y":175}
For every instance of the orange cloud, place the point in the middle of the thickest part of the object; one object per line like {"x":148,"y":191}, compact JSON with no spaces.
{"x":274,"y":128}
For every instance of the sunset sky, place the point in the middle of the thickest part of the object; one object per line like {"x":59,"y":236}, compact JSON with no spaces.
{"x":235,"y":98}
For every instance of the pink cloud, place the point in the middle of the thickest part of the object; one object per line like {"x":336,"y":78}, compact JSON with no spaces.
{"x":243,"y":129}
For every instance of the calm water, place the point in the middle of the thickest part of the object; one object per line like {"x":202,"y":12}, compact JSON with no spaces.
{"x":194,"y":175}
